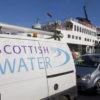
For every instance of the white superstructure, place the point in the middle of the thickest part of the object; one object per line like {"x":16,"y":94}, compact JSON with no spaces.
{"x":77,"y":33}
{"x":81,"y":34}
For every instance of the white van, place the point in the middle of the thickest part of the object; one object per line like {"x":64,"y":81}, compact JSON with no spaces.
{"x":35,"y":69}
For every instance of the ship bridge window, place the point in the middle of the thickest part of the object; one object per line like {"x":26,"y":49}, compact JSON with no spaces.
{"x":74,"y":27}
{"x":76,"y":37}
{"x":69,"y":36}
{"x":87,"y":39}
{"x":80,"y":29}
{"x":83,"y":30}
{"x":72,"y":36}
{"x":96,"y":42}
{"x":77,"y":28}
{"x":69,"y":25}
{"x":86,"y":31}
{"x":89,"y":32}
{"x":95,"y":34}
{"x":79,"y":38}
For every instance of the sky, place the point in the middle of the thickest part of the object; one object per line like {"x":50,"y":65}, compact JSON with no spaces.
{"x":25,"y":12}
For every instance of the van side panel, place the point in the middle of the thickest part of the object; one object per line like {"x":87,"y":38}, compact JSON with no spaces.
{"x":22,"y":72}
{"x":59,"y":66}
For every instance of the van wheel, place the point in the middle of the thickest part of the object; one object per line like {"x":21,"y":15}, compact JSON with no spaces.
{"x":62,"y":97}
{"x":97,"y":85}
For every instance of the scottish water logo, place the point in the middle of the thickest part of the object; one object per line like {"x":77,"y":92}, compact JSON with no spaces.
{"x":12,"y":65}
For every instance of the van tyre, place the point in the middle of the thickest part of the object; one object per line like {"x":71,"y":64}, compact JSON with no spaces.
{"x":62,"y":97}
{"x":97,"y":85}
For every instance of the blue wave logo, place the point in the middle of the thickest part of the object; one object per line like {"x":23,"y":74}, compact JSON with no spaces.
{"x":59,"y":52}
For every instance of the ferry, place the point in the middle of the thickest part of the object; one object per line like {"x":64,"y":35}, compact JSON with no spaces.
{"x":80,"y":34}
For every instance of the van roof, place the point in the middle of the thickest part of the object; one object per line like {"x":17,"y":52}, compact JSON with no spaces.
{"x":29,"y":38}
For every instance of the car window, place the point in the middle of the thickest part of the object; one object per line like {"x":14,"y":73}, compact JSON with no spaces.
{"x":86,"y":61}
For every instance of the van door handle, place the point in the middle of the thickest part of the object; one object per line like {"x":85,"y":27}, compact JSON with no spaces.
{"x":56,"y":86}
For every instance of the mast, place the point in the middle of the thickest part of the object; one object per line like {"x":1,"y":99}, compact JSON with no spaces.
{"x":85,"y":12}
{"x":84,"y":19}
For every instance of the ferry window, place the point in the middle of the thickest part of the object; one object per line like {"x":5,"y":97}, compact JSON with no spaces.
{"x":69,"y":36}
{"x":74,"y":27}
{"x":80,"y":29}
{"x":28,"y":35}
{"x":76,"y":37}
{"x":83,"y":30}
{"x":89,"y":32}
{"x":77,"y":28}
{"x":95,"y":41}
{"x":69,"y":26}
{"x":79,"y":38}
{"x":87,"y":39}
{"x":86,"y":31}
{"x":72,"y":36}
{"x":94,"y":33}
